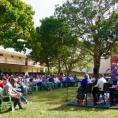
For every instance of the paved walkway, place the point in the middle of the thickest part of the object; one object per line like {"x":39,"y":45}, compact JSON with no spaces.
{"x":101,"y":104}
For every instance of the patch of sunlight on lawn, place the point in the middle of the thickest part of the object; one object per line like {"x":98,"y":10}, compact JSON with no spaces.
{"x":52,"y":104}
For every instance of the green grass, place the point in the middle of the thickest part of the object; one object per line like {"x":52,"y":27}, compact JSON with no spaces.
{"x":52,"y":104}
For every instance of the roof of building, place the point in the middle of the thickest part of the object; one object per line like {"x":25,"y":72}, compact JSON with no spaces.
{"x":9,"y":52}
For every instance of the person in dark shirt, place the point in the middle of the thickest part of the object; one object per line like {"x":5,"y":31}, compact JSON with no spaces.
{"x":84,"y":82}
{"x":81,"y":90}
{"x":114,"y":71}
{"x":51,"y":79}
{"x":114,"y":80}
{"x":114,"y":91}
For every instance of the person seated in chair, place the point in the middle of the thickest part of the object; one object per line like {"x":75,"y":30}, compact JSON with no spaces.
{"x":114,"y":92}
{"x":9,"y":90}
{"x":81,"y":89}
{"x":98,"y":88}
{"x":114,"y":79}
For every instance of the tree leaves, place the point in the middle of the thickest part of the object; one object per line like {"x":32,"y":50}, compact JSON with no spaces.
{"x":15,"y":22}
{"x":89,"y":22}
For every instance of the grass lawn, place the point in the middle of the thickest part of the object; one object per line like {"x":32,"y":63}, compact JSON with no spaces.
{"x":51,"y":104}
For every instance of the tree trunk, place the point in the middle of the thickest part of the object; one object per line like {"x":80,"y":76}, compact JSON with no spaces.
{"x":96,"y":65}
{"x":69,"y":69}
{"x":48,"y":67}
{"x":65,"y":67}
{"x":68,"y":72}
{"x":59,"y":67}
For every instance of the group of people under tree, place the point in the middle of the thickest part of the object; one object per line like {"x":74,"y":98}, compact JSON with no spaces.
{"x":17,"y":86}
{"x":98,"y":87}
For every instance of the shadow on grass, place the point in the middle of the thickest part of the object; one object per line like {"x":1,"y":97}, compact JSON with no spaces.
{"x":55,"y":100}
{"x":4,"y":112}
{"x":61,"y":104}
{"x":65,"y":108}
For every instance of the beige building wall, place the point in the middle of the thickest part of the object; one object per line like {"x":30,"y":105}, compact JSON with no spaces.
{"x":17,"y":62}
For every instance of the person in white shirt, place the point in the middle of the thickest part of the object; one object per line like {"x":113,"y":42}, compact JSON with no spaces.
{"x":98,"y":88}
{"x":9,"y":90}
{"x":56,"y":82}
{"x":100,"y":83}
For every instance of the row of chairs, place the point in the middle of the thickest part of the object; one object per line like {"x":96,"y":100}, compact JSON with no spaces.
{"x":34,"y":87}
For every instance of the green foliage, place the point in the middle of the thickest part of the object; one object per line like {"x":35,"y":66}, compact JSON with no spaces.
{"x":94,"y":22}
{"x":15,"y":23}
{"x":86,"y":63}
{"x":56,"y":45}
{"x":51,"y":37}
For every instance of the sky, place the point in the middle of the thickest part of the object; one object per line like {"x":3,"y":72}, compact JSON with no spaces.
{"x":43,"y":8}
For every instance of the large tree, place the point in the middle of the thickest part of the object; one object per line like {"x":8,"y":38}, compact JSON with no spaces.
{"x":51,"y":36}
{"x":95,"y":22}
{"x":16,"y":23}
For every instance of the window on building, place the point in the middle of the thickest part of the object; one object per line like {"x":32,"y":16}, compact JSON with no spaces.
{"x":26,"y":61}
{"x":1,"y":54}
{"x":12,"y":56}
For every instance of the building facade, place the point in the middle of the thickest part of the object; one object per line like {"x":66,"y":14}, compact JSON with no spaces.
{"x":18,"y":63}
{"x":109,"y":65}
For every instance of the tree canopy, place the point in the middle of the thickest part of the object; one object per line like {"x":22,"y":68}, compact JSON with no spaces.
{"x":95,"y":23}
{"x":16,"y":23}
{"x":51,"y":37}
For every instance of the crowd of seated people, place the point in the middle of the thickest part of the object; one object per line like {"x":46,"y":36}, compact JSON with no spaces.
{"x":98,"y":87}
{"x":11,"y":86}
{"x":52,"y":81}
{"x":17,"y":86}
